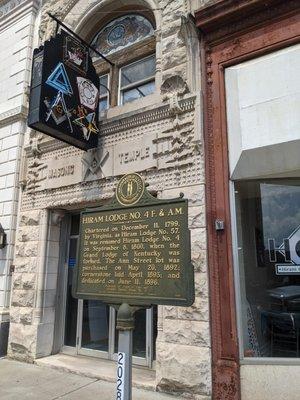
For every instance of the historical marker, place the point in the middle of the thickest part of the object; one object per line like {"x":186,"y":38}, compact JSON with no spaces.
{"x":136,"y":250}
{"x":133,"y":253}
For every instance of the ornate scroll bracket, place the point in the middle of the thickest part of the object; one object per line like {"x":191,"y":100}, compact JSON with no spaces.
{"x":173,"y":85}
{"x":58,"y":8}
{"x":172,"y":89}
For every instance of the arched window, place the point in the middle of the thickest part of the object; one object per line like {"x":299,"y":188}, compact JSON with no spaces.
{"x":122,"y":32}
{"x":129,"y":42}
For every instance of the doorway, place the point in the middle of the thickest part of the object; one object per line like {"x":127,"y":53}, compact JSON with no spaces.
{"x":89,"y":326}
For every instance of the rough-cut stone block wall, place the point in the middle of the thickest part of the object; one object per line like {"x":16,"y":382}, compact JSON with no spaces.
{"x":22,"y":344}
{"x":172,"y":40}
{"x":183,"y":344}
{"x":34,"y":286}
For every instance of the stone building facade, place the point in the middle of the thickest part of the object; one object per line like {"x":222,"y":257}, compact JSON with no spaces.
{"x":159,"y":136}
{"x":17,"y":24}
{"x":220,"y":123}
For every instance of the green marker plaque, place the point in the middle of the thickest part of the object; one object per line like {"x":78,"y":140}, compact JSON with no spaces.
{"x":135,"y":250}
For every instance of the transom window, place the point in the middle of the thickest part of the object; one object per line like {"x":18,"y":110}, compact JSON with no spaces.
{"x":122,"y":32}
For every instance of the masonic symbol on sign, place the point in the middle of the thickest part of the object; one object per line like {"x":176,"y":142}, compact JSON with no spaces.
{"x":88,"y":125}
{"x":59,"y":80}
{"x":88,"y":93}
{"x":57,"y":109}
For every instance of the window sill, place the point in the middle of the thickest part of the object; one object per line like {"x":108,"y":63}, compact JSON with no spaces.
{"x":269,"y":361}
{"x":133,"y":106}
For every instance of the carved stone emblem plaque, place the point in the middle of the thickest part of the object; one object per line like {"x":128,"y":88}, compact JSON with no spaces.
{"x":130,"y":189}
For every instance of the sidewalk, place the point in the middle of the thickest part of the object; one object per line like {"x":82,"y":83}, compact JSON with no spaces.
{"x":21,"y":381}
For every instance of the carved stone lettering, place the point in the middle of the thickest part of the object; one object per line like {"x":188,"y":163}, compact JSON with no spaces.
{"x":135,"y":155}
{"x":61,"y":172}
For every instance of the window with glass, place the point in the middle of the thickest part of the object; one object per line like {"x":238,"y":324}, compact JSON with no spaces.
{"x":122,"y":32}
{"x":137,"y":80}
{"x":90,"y":325}
{"x":268,"y":247}
{"x":129,"y":42}
{"x":104,"y":93}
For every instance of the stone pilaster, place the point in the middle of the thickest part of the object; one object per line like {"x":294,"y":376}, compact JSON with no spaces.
{"x":183,"y":344}
{"x":34,"y":286}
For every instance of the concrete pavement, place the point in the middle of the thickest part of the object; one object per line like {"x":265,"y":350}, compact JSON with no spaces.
{"x":21,"y":381}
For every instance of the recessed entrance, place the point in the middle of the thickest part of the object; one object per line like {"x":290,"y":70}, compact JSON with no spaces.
{"x":90,"y":325}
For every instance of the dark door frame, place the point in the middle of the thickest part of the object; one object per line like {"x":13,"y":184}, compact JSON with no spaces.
{"x":231,"y":31}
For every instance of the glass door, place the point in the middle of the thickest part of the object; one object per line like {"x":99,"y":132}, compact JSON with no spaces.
{"x":94,"y":328}
{"x":90,"y":325}
{"x":70,"y":304}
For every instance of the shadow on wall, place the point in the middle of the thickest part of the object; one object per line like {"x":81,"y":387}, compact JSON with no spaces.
{"x":4,"y":329}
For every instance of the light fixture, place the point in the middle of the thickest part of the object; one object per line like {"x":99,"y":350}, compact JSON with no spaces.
{"x":2,"y":237}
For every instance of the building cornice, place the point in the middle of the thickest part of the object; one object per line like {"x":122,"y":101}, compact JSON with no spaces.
{"x":13,"y":115}
{"x":143,"y":117}
{"x":21,"y":8}
{"x":220,"y":19}
{"x":6,"y":6}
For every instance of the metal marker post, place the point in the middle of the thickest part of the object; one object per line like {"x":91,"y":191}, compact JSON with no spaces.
{"x":125,"y":326}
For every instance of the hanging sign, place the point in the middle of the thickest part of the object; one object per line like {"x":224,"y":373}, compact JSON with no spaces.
{"x":64,"y":92}
{"x":136,"y":249}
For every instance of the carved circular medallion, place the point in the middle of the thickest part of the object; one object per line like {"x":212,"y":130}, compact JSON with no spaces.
{"x":116,"y":35}
{"x":130,"y":189}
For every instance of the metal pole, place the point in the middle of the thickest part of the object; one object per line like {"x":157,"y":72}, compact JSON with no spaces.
{"x":79,"y":38}
{"x":124,"y":358}
{"x":125,"y":326}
